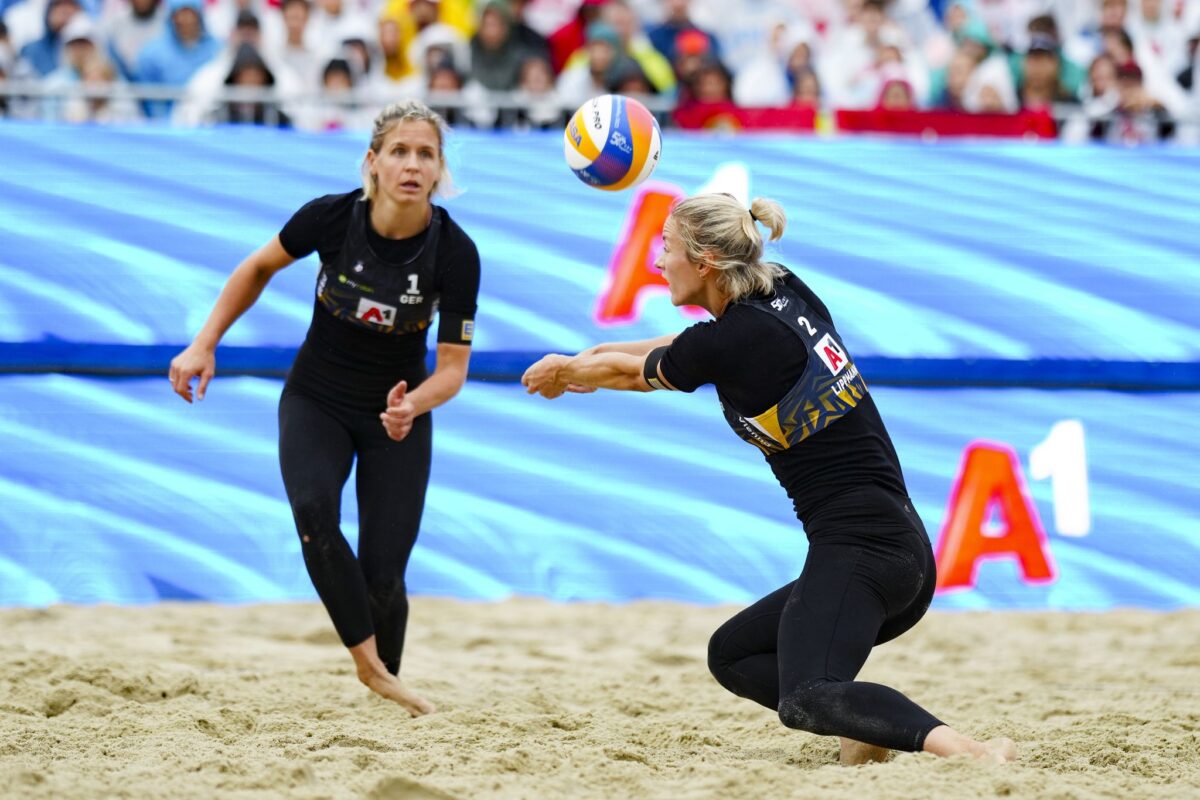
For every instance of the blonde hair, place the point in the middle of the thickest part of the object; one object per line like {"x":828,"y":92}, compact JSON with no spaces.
{"x":716,"y":229}
{"x":390,"y":117}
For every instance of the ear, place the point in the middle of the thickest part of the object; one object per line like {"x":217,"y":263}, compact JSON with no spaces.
{"x":371,"y":162}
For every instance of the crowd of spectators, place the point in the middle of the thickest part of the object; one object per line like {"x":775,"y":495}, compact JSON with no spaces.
{"x":1129,"y":67}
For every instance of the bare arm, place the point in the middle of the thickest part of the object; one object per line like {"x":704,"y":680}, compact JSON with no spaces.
{"x":639,"y":348}
{"x":553,"y":374}
{"x":240,"y":293}
{"x":447,"y":379}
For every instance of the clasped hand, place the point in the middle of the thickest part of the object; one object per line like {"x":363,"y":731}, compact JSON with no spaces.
{"x":543,"y":377}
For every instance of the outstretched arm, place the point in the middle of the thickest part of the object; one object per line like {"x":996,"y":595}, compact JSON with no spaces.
{"x":639,"y":348}
{"x":241,"y":291}
{"x":554,"y":374}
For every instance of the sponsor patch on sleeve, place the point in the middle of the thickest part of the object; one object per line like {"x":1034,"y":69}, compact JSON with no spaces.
{"x":468,"y":330}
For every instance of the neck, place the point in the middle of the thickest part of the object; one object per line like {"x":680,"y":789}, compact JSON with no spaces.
{"x":715,"y":300}
{"x":393,"y":221}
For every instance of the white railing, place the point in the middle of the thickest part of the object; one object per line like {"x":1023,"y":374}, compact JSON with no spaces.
{"x":122,"y":102}
{"x":37,"y":100}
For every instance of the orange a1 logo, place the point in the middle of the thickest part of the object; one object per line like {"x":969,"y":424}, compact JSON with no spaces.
{"x":990,"y":480}
{"x":631,"y":269}
{"x":631,"y":273}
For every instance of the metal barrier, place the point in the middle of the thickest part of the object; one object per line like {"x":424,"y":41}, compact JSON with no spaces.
{"x":189,"y":106}
{"x":477,"y":108}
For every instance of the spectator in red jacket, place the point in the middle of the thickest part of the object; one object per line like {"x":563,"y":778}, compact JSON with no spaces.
{"x":572,"y":36}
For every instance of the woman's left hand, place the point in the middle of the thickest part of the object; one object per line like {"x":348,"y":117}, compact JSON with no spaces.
{"x":398,"y":418}
{"x":543,"y":377}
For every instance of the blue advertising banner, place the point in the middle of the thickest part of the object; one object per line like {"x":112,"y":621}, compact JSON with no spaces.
{"x":116,"y":491}
{"x":960,"y":257}
{"x":958,"y":265}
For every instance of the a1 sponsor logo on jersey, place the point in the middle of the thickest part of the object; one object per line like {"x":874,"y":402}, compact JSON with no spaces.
{"x":378,"y":313}
{"x":779,"y":303}
{"x":831,"y":353}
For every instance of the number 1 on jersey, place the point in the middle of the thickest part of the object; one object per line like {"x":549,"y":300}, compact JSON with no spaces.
{"x":412,"y":284}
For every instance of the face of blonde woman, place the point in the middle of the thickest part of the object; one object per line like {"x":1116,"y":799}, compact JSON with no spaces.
{"x":682,"y":274}
{"x":408,"y":163}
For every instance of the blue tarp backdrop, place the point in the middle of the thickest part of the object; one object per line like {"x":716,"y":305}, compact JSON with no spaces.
{"x":973,"y":263}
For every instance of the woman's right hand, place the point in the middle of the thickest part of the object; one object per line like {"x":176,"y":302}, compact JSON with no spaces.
{"x":195,"y":361}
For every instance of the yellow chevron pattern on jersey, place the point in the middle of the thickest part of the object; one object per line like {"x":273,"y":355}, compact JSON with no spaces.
{"x":825,"y":392}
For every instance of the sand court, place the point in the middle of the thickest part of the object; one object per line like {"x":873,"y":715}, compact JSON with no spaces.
{"x":539,"y":699}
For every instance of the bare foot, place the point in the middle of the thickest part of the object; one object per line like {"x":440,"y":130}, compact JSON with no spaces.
{"x":998,"y":751}
{"x":374,"y":675}
{"x":945,"y":741}
{"x":854,"y":753}
{"x":389,"y":686}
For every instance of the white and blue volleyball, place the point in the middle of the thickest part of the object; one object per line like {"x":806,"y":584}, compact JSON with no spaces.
{"x":612,"y":142}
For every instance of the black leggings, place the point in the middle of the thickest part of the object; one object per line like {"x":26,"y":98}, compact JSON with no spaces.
{"x":317,"y":444}
{"x":798,"y":649}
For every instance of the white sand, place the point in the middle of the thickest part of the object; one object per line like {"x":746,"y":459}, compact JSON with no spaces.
{"x":540,"y":700}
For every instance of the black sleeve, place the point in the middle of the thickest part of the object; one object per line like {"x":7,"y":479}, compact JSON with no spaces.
{"x":319,"y":225}
{"x":752,"y":358}
{"x":459,"y":287}
{"x":695,"y":358}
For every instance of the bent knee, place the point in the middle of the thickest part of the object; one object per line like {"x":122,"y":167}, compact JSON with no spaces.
{"x":805,"y":710}
{"x":715,"y":655}
{"x":719,"y":662}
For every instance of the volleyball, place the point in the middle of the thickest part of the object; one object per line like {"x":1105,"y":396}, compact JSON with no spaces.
{"x":612,"y":142}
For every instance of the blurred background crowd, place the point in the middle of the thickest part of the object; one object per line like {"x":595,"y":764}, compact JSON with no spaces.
{"x":1115,"y":70}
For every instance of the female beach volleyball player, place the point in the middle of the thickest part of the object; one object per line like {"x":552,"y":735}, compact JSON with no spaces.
{"x":359,"y":387}
{"x":788,"y":386}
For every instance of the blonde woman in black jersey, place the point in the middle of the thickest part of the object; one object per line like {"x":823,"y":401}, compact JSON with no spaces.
{"x":789,"y":387}
{"x":358,"y":389}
